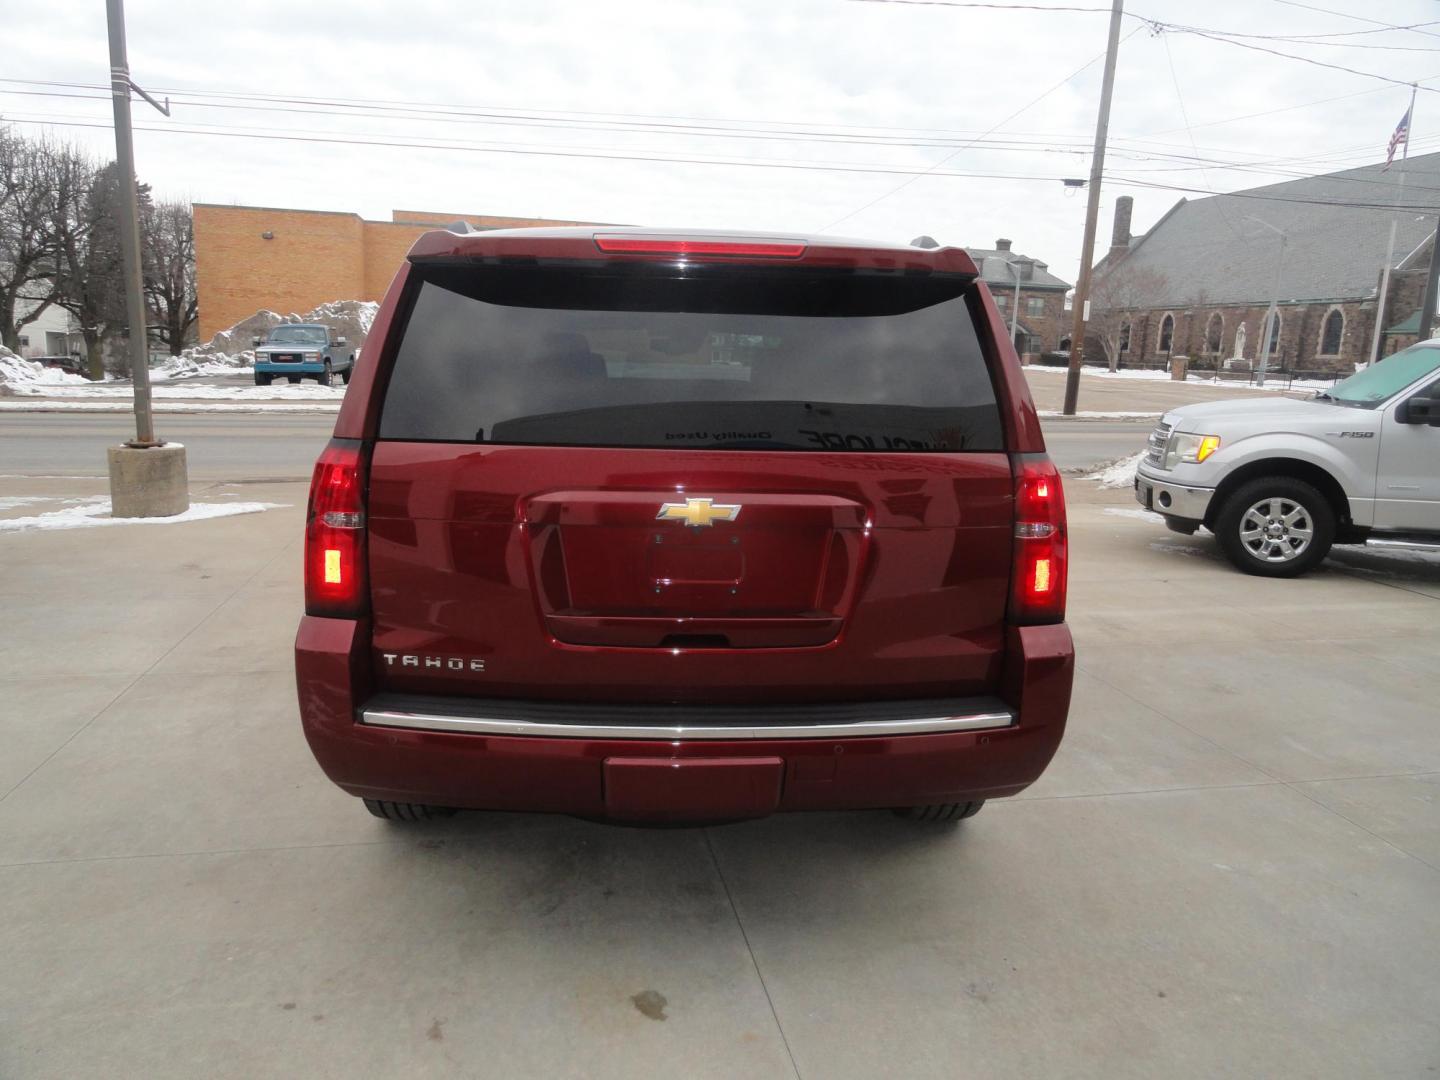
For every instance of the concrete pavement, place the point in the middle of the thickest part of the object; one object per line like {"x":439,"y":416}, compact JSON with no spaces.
{"x":1232,"y":867}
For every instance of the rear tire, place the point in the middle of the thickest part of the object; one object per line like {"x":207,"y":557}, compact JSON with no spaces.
{"x":262,"y":380}
{"x":345,"y":375}
{"x":406,"y":811}
{"x":326,"y":377}
{"x":940,"y":812}
{"x":1275,"y":526}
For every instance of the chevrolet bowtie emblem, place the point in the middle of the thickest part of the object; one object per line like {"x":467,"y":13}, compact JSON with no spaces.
{"x":698,"y":513}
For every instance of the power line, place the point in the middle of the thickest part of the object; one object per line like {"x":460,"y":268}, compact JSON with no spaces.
{"x":901,"y":187}
{"x":1357,"y":18}
{"x":796,"y":166}
{"x":1161,"y":27}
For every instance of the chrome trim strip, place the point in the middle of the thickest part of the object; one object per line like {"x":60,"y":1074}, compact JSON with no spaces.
{"x":1411,"y":545}
{"x":479,"y":725}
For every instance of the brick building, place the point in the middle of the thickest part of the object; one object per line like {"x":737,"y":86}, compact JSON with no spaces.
{"x":1199,"y":282}
{"x":249,"y":258}
{"x":1040,"y":325}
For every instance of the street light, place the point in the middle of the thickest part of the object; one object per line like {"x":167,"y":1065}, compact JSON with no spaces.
{"x":1266,"y":326}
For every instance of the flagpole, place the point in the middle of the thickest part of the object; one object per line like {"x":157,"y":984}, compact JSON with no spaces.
{"x":1390,"y":249}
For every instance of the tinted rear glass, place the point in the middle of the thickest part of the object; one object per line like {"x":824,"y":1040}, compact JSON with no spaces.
{"x":721,"y":358}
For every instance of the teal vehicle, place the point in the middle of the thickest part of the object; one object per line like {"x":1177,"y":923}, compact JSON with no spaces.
{"x":296,"y":351}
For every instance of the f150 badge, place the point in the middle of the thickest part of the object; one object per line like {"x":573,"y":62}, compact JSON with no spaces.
{"x":1352,"y":434}
{"x":698,"y":513}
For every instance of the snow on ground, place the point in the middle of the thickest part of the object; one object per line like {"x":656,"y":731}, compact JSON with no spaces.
{"x":123,"y":391}
{"x":1274,"y":382}
{"x":1118,"y":474}
{"x":1144,"y":414}
{"x":125,"y":406}
{"x":17,"y":371}
{"x":203,"y":361}
{"x":94,"y":513}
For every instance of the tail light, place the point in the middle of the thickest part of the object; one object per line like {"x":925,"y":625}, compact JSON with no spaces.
{"x":335,"y":583}
{"x":1038,"y":580}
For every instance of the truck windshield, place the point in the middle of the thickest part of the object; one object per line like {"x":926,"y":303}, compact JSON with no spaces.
{"x":297,"y":335}
{"x":1383,"y":380}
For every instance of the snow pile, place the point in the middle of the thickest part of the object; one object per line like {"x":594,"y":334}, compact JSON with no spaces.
{"x":350,"y":319}
{"x":16,"y":370}
{"x":202,"y":360}
{"x":1118,"y":474}
{"x":232,"y":351}
{"x":1273,"y":381}
{"x":95,"y":512}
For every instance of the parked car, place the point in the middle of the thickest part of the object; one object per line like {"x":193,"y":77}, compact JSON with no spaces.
{"x":1279,"y":480}
{"x":664,"y":528}
{"x":75,"y":365}
{"x":295,"y":350}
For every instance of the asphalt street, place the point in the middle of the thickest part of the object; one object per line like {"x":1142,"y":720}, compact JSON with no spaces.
{"x":254,"y":446}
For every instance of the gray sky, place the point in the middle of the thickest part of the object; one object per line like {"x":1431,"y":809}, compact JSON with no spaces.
{"x":814,"y":82}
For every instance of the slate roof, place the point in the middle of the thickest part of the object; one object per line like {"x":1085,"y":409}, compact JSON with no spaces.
{"x":1209,"y":253}
{"x":994,"y":271}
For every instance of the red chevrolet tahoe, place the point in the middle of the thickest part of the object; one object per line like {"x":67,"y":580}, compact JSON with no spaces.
{"x":663,"y":527}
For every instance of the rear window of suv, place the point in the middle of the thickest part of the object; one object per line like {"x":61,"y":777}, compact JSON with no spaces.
{"x":712,"y":357}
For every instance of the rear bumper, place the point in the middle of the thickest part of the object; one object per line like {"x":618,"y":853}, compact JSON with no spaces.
{"x":657,"y":765}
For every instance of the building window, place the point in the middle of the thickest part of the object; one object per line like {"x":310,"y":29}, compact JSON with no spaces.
{"x":1214,"y":334}
{"x":1034,"y":305}
{"x":1124,"y":337}
{"x":24,"y":341}
{"x":1274,"y":332}
{"x":1333,"y":331}
{"x":1002,"y":301}
{"x":1167,"y":333}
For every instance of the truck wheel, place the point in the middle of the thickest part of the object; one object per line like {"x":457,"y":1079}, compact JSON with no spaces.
{"x":262,"y":379}
{"x":406,"y":811}
{"x":345,"y":375}
{"x":327,"y":377}
{"x":1275,"y":526}
{"x":941,"y":811}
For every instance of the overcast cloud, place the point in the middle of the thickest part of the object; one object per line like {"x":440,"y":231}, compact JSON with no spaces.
{"x":839,"y":69}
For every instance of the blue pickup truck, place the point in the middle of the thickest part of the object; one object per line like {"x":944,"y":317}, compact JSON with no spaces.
{"x":297,"y":350}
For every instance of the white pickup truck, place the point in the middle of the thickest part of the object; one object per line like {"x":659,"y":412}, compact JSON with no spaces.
{"x":1279,"y":480}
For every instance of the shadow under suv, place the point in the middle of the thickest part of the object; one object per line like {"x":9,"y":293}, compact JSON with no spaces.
{"x":666,"y":527}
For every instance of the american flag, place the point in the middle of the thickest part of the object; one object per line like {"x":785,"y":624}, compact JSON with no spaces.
{"x":1402,"y":135}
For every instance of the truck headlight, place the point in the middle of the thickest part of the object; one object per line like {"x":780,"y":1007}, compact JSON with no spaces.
{"x":1190,"y":449}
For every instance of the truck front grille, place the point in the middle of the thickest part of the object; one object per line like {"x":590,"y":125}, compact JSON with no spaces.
{"x":1155,"y":449}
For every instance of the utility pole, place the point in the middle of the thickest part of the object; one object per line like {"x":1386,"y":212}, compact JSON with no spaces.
{"x":1427,"y":300}
{"x":147,"y":478}
{"x":1092,"y":213}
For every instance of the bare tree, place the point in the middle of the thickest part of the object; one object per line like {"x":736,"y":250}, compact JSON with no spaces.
{"x":1117,"y":297}
{"x":26,"y":283}
{"x":170,"y":272}
{"x":89,"y":272}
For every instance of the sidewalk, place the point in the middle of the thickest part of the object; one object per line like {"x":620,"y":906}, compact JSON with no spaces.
{"x":1231,"y":868}
{"x":1102,"y":394}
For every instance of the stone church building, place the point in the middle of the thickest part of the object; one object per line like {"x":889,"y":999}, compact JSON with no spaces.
{"x":1199,"y":282}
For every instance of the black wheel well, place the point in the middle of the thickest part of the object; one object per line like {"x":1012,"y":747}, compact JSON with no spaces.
{"x":1300,"y":470}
